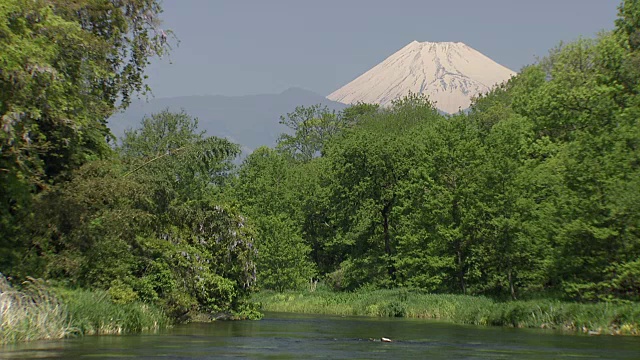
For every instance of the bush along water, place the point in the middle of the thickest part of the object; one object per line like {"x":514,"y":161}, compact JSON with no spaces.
{"x":36,"y":311}
{"x":600,"y":318}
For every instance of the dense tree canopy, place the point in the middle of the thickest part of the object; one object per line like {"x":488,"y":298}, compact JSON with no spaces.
{"x":65,"y":67}
{"x":534,"y":191}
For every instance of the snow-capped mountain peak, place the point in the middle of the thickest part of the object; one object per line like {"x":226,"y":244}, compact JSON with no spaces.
{"x":450,"y":73}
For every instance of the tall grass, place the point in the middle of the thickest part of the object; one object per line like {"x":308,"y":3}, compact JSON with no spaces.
{"x":602,"y":318}
{"x":32,"y":313}
{"x":93,"y":312}
{"x":38,"y":312}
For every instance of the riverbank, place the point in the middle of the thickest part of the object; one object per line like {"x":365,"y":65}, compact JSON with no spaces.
{"x":37,"y":312}
{"x":601,"y":318}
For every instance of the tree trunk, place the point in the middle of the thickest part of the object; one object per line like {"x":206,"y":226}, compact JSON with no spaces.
{"x":511,"y":285}
{"x":461,"y":272}
{"x":386,"y":211}
{"x":455,"y":215}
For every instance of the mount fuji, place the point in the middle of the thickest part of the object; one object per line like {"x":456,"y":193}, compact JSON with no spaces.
{"x":449,"y":73}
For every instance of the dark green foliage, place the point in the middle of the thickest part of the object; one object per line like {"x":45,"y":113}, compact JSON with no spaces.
{"x":148,"y":227}
{"x":65,"y":68}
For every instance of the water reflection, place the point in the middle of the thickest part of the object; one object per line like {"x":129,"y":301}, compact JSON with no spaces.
{"x":287,"y":336}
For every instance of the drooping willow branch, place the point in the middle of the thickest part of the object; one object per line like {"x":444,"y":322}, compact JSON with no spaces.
{"x":156,"y":158}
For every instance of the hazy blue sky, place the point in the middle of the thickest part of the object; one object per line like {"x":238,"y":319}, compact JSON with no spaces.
{"x":236,"y":47}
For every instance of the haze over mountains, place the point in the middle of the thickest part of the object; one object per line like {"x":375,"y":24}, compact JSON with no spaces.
{"x":250,"y":121}
{"x":450,"y":73}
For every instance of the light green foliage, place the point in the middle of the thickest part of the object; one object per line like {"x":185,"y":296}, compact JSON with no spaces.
{"x":366,"y":167}
{"x":283,"y":261}
{"x":441,"y":209}
{"x":181,"y":162}
{"x":144,"y":222}
{"x":270,"y":190}
{"x":37,"y":311}
{"x":532,"y":193}
{"x":603,"y":318}
{"x":584,"y":109}
{"x":267,"y":184}
{"x":95,"y":312}
{"x":312,"y":128}
{"x":516,"y":243}
{"x":202,"y":250}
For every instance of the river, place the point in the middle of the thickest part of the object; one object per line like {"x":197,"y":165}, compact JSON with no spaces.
{"x":294,"y":336}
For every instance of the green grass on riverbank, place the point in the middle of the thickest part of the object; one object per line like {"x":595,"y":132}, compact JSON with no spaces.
{"x":37,"y":312}
{"x":602,"y":318}
{"x":93,"y":312}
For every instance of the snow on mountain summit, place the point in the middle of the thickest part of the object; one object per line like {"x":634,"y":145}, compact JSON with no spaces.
{"x":450,"y":73}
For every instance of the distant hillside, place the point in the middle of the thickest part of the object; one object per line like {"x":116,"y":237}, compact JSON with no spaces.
{"x":250,"y":121}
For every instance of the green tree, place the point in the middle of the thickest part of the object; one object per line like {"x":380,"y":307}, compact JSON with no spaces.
{"x":148,"y":225}
{"x":443,"y":208}
{"x":312,"y":127}
{"x":628,"y":23}
{"x":283,"y":262}
{"x":517,"y":245}
{"x":272,"y":189}
{"x":183,"y":163}
{"x":185,"y":171}
{"x":366,"y":165}
{"x":358,"y":112}
{"x":587,"y":109}
{"x":66,"y":67}
{"x":267,"y":184}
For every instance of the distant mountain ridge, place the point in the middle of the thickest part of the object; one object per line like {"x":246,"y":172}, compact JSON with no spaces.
{"x":450,"y":73}
{"x":249,"y":120}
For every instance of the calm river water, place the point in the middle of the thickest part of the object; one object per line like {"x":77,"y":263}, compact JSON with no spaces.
{"x":292,"y":336}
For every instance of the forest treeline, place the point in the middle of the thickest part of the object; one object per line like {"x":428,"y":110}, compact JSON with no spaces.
{"x":532,"y":192}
